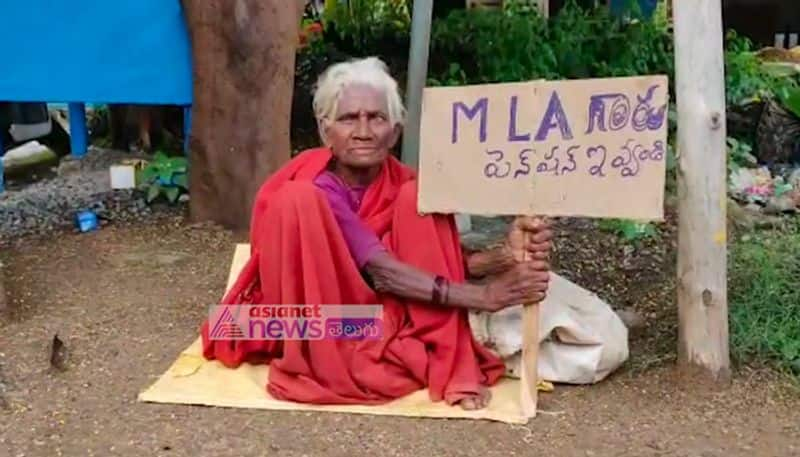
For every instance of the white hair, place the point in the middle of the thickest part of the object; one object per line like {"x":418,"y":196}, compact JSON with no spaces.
{"x":370,"y":71}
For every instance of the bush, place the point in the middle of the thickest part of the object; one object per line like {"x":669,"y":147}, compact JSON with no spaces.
{"x":517,"y":44}
{"x":746,"y":79}
{"x":362,"y":27}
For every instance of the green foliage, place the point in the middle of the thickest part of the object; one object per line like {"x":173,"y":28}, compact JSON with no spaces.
{"x":517,"y":44}
{"x":746,"y":78}
{"x":521,"y":7}
{"x":790,"y":98}
{"x":764,"y":298}
{"x":489,"y":46}
{"x":164,"y":175}
{"x":362,"y":26}
{"x":629,"y":230}
{"x":453,"y":76}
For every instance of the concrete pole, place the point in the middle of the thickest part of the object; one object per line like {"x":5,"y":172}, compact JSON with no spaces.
{"x":417,"y":75}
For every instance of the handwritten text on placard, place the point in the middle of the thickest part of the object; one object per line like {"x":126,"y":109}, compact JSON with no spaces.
{"x":584,"y":147}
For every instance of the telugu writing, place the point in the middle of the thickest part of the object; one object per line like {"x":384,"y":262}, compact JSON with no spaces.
{"x":592,"y":160}
{"x":613,"y":112}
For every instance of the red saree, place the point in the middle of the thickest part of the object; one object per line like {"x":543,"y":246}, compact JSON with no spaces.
{"x":299,"y":256}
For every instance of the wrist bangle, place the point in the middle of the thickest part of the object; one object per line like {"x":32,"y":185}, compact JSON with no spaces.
{"x":438,"y":296}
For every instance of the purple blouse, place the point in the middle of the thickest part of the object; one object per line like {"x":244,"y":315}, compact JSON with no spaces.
{"x":345,"y":202}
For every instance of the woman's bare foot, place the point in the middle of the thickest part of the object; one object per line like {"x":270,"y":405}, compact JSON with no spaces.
{"x":479,"y":401}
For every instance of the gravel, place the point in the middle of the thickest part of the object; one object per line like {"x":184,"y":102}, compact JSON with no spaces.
{"x":51,"y":205}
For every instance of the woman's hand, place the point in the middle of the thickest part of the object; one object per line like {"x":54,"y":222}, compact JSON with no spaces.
{"x":531,"y":234}
{"x":526,"y":283}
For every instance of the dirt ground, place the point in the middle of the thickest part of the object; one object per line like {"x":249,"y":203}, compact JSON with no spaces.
{"x":126,"y":300}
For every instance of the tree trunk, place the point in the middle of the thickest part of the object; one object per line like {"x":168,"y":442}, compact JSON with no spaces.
{"x":243,"y":56}
{"x":702,"y":250}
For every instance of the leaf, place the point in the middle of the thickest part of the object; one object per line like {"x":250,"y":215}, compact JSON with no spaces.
{"x":632,"y":230}
{"x":172,"y":193}
{"x":152,"y":192}
{"x":149,"y":174}
{"x":181,"y":180}
{"x":165,"y":177}
{"x":178,"y":164}
{"x":791,"y":100}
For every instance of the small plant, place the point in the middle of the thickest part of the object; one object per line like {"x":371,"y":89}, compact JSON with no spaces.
{"x":747,"y":79}
{"x":164,"y":175}
{"x":629,"y":230}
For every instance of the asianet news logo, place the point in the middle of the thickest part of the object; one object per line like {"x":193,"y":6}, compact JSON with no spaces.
{"x":295,"y":322}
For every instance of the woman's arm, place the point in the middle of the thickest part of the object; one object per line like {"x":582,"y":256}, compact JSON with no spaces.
{"x":523,"y":283}
{"x":391,"y":276}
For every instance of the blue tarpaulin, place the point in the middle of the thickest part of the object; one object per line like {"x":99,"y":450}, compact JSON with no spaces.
{"x":94,"y":51}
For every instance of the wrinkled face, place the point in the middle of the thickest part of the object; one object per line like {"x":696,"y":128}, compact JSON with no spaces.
{"x":361,"y":134}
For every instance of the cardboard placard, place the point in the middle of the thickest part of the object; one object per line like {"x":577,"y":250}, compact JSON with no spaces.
{"x":590,"y":147}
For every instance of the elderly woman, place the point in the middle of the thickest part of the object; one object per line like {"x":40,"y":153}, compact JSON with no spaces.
{"x":339,"y":225}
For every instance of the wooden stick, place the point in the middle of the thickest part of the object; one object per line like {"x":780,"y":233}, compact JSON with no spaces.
{"x":529,"y":376}
{"x":530,"y":352}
